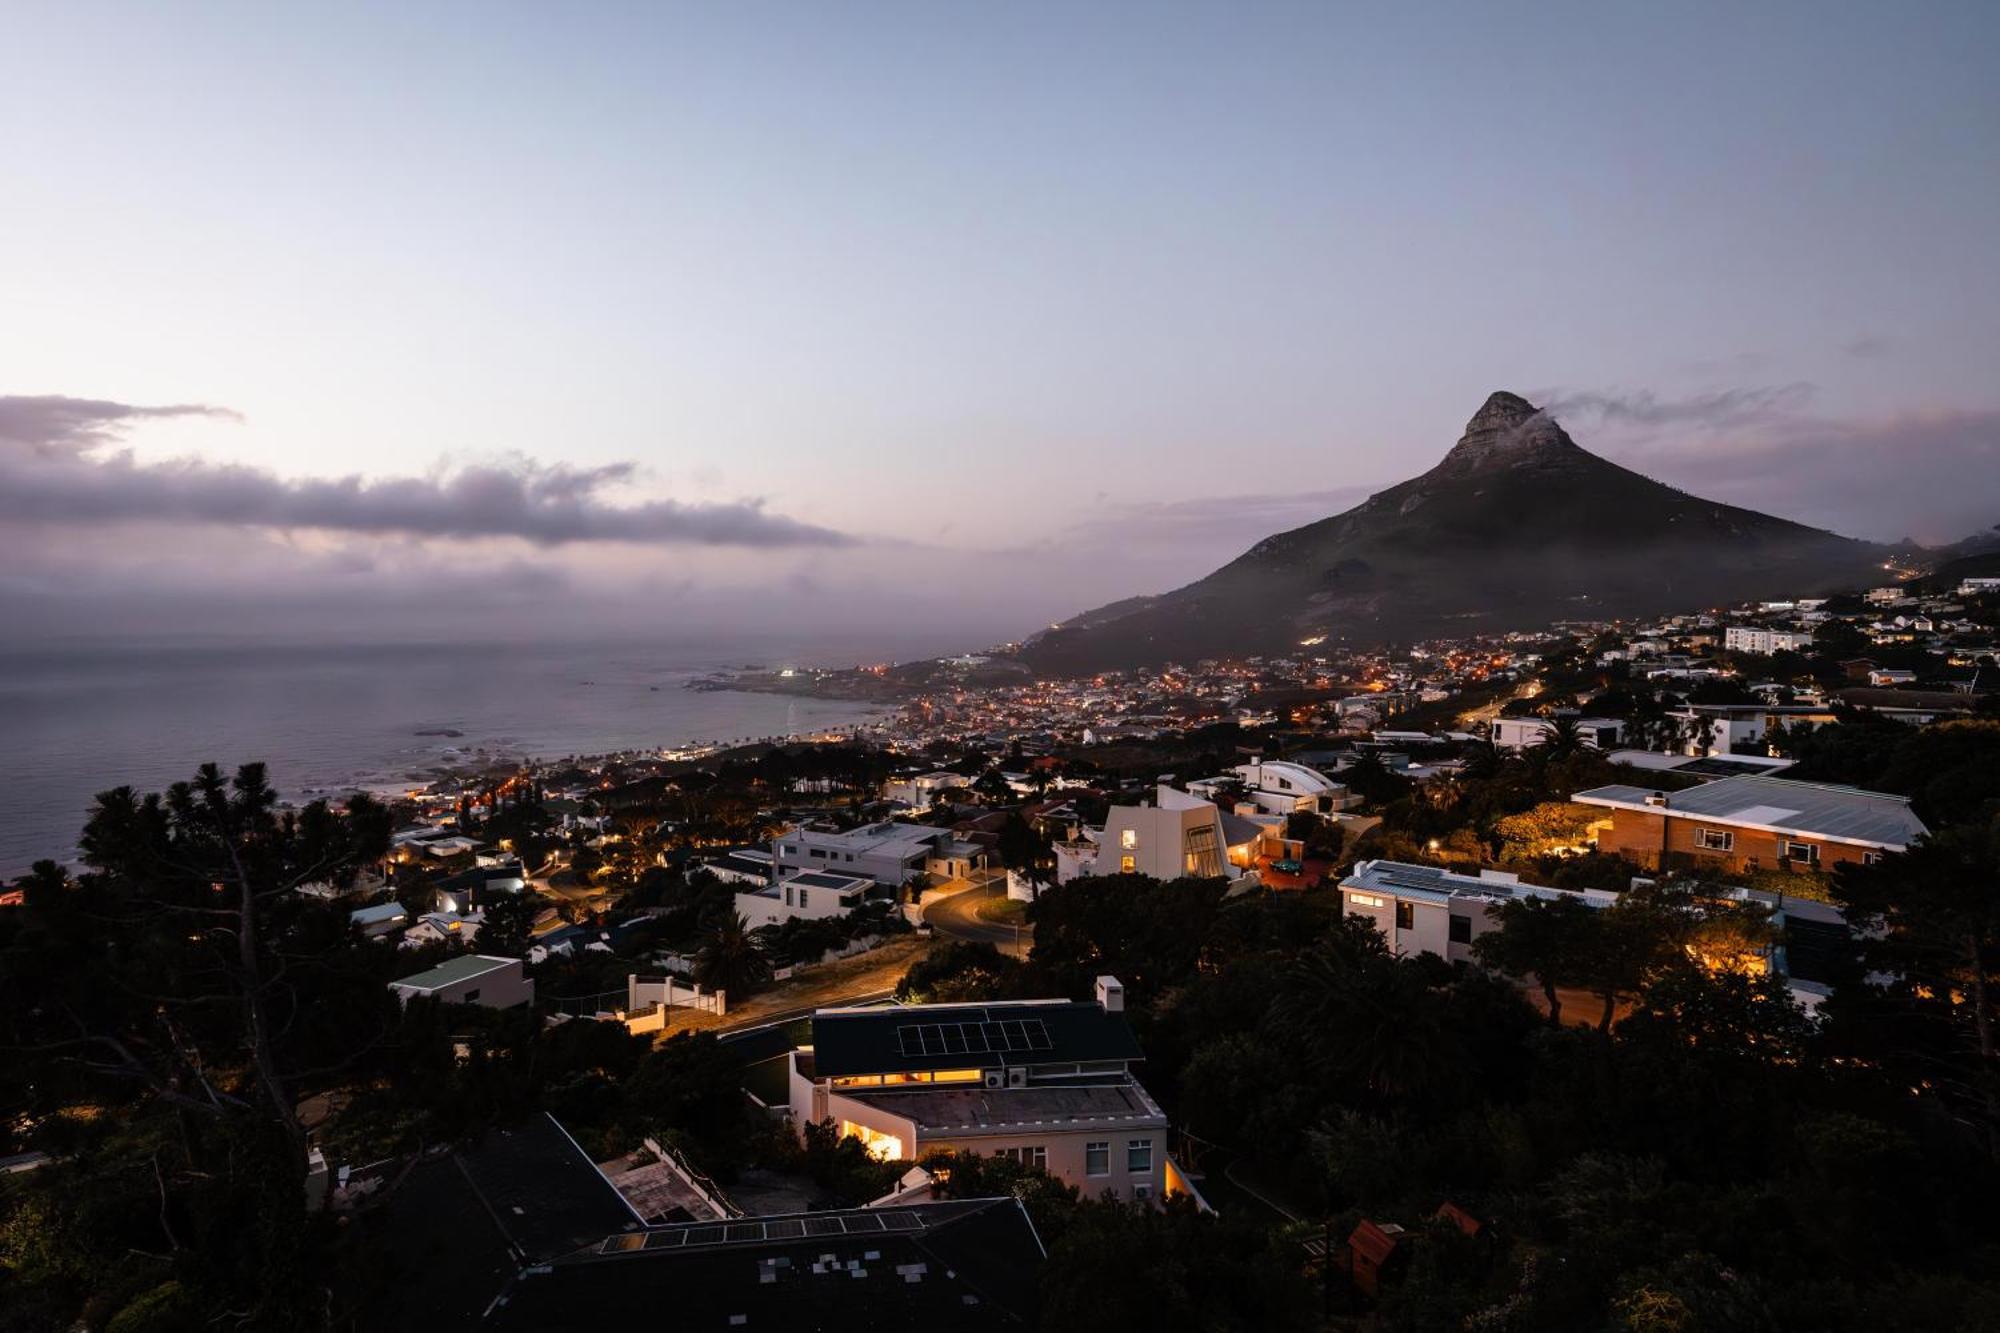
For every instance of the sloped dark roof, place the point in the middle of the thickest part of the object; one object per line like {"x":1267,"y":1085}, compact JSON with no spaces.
{"x":938,"y":1265}
{"x":976,"y":1036}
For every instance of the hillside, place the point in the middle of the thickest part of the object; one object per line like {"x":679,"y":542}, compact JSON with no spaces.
{"x":1517,"y":525}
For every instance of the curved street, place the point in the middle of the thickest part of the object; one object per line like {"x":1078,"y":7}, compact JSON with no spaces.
{"x":956,"y":916}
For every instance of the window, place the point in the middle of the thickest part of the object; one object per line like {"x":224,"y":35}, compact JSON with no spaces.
{"x":818,"y":855}
{"x":1034,"y":1156}
{"x":470,"y":996}
{"x":802,"y":900}
{"x":1128,"y":839}
{"x":788,"y":895}
{"x":1871,"y":858}
{"x":1128,"y":864}
{"x":1364,"y":900}
{"x":1715,"y":839}
{"x":1139,"y":1155}
{"x":1802,"y":851}
{"x":1097,"y":1159}
{"x":1203,"y":855}
{"x":1406,"y":916}
{"x":1461,"y":929}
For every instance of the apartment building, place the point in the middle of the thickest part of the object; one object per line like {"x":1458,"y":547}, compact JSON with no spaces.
{"x":1752,"y":823}
{"x":1046,"y":1082}
{"x":1759,"y":639}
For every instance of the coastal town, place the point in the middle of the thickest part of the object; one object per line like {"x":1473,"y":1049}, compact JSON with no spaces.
{"x":838,"y":1005}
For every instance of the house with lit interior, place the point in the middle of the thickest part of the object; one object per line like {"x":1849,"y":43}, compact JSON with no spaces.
{"x":888,"y":852}
{"x":1751,"y":823}
{"x":1278,"y":787}
{"x":1423,"y":909}
{"x":1045,"y":1082}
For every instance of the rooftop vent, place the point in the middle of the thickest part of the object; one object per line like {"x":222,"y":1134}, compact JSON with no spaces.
{"x":1111,"y":995}
{"x":1657,"y":799}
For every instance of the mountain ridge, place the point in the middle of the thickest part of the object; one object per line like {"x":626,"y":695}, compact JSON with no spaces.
{"x":1517,"y":524}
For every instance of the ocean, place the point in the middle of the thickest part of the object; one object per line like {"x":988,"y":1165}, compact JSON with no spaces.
{"x":78,"y":720}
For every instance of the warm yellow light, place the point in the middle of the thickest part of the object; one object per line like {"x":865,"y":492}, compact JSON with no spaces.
{"x":882,"y":1147}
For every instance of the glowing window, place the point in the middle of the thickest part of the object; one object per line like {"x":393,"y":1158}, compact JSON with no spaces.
{"x":1129,"y":838}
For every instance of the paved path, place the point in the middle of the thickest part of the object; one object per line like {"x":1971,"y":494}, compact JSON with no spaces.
{"x":956,"y":915}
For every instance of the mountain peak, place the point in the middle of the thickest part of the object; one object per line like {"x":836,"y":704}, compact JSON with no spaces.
{"x":1507,"y":429}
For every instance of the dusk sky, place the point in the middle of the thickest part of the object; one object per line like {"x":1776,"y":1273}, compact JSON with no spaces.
{"x":493,"y":320}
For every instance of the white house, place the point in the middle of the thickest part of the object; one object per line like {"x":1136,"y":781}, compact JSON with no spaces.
{"x":918,"y":790}
{"x":1422,"y":909}
{"x":1178,"y":835}
{"x":890,"y":852}
{"x":810,"y":894}
{"x":1279,"y":787}
{"x":496,"y":983}
{"x":1524,"y":733}
{"x":1045,"y":1082}
{"x":442,"y":928}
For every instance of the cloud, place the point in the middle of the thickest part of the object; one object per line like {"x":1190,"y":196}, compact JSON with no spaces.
{"x":1714,"y":409}
{"x":51,"y":423}
{"x":58,"y":473}
{"x":1933,"y":476}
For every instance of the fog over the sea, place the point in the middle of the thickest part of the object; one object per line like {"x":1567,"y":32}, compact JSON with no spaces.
{"x":389,"y":324}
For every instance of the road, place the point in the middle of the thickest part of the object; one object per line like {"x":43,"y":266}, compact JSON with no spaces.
{"x":956,"y":916}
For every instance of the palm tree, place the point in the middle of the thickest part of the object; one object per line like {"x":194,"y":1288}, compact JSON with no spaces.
{"x":1564,"y":737}
{"x":732,"y":959}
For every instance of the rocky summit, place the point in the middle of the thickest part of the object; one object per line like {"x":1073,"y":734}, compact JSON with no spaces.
{"x":1517,"y":524}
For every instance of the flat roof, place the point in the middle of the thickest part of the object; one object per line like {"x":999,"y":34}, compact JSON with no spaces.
{"x":820,"y":879}
{"x":912,"y":1038}
{"x":957,"y":1109}
{"x":1780,"y":805}
{"x":454,"y":970}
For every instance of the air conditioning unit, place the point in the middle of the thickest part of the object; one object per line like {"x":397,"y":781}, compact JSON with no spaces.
{"x":1017,"y":1078}
{"x":995,"y":1079}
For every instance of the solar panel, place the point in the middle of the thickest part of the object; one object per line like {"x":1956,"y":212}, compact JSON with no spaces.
{"x":911,"y":1040}
{"x":901,"y":1221}
{"x":824,"y":1226}
{"x":862,"y":1222}
{"x":1038,"y":1035}
{"x":667,"y":1240}
{"x":996,"y":1037}
{"x":788,"y":1229}
{"x":703,"y":1235}
{"x":954,"y":1038}
{"x":1017,"y":1038}
{"x":618,"y":1244}
{"x":745,"y":1231}
{"x":975,"y":1038}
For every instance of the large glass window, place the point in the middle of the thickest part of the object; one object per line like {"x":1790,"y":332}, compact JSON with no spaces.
{"x":1406,"y":916}
{"x":1715,"y":839}
{"x":1097,"y":1159}
{"x":1139,"y":1155}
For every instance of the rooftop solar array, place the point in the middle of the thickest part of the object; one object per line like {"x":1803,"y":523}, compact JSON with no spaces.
{"x":867,"y":1222}
{"x":1008,"y":1036}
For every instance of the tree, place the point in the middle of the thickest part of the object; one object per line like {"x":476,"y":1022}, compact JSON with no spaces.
{"x":508,"y":923}
{"x":1547,"y":938}
{"x":183,"y":973}
{"x":1025,"y":851}
{"x":1564,"y":737}
{"x":1930,"y":918}
{"x":732,"y":958}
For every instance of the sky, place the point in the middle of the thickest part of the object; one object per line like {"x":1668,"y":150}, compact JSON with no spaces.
{"x":545,"y":320}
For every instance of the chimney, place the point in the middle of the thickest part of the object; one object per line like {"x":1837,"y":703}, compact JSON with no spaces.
{"x":1657,"y":799}
{"x":1111,"y":995}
